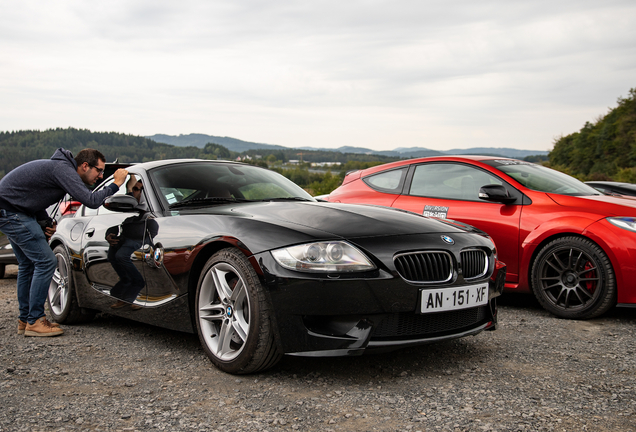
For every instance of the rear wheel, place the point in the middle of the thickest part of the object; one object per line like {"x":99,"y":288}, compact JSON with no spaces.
{"x":572,"y":277}
{"x":2,"y":268}
{"x":61,"y":298}
{"x":233,"y":316}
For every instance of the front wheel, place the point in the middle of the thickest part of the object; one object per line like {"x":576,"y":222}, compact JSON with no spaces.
{"x":572,"y":277}
{"x":233,"y":316}
{"x":61,"y":298}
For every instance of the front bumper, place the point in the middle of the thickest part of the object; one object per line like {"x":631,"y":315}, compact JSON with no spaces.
{"x":335,"y":316}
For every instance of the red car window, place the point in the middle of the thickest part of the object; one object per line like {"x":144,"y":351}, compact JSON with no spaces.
{"x":387,"y":181}
{"x":449,"y":181}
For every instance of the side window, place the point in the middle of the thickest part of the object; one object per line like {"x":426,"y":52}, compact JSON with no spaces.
{"x":387,"y":181}
{"x":450,"y":181}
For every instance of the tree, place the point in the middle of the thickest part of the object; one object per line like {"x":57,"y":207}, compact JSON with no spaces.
{"x":326,"y":185}
{"x":219,"y":151}
{"x":603,"y":149}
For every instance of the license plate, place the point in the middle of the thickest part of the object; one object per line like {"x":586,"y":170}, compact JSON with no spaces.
{"x":444,"y":299}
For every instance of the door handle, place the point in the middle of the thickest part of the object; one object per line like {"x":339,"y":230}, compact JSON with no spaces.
{"x":90,"y":232}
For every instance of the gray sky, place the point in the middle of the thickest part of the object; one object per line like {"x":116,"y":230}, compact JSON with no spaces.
{"x":377,"y":74}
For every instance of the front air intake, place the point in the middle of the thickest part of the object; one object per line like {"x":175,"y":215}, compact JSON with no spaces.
{"x":474,"y":263}
{"x":430,"y":267}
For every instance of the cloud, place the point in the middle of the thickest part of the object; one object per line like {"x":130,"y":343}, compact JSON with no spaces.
{"x":328,"y":73}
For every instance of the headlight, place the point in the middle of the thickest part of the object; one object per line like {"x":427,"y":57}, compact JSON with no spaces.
{"x":628,"y":223}
{"x":335,"y":256}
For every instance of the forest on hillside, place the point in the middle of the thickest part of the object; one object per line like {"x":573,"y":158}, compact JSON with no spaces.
{"x":604,"y":149}
{"x":20,"y":147}
{"x":24,"y":146}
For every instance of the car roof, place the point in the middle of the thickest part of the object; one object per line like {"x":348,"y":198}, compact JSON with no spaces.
{"x":612,"y":183}
{"x":158,"y":163}
{"x":613,"y":187}
{"x":453,"y":158}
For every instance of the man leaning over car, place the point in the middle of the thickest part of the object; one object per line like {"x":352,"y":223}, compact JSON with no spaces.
{"x":25,"y":193}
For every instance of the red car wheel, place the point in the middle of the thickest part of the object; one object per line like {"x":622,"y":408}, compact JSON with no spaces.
{"x":573,"y":278}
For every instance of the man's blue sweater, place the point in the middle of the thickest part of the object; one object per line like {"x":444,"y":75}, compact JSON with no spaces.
{"x":34,"y":186}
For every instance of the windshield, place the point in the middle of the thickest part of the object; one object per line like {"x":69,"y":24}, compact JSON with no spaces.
{"x":542,"y":179}
{"x":213,"y":182}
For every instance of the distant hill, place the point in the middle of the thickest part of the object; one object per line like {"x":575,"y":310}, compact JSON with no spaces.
{"x":237,"y":145}
{"x":398,"y":153}
{"x":200,"y":140}
{"x":18,"y":147}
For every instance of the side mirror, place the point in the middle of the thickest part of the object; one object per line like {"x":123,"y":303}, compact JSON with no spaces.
{"x":495,"y":193}
{"x":124,"y":204}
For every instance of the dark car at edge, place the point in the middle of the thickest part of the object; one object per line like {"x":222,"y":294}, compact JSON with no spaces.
{"x":613,"y":188}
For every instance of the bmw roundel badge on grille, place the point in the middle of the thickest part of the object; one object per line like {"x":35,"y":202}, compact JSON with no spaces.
{"x":448,"y":239}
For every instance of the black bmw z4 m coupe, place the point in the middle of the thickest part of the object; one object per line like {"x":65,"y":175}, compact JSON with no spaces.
{"x":258,"y":268}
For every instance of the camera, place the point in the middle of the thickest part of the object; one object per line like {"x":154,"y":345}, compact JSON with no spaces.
{"x":46,"y":223}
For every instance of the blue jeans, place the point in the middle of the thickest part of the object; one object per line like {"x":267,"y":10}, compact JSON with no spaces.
{"x":131,"y":281}
{"x":36,"y":262}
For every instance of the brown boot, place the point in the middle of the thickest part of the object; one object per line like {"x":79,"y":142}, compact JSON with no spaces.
{"x":50,"y":323}
{"x":42,"y":328}
{"x":21,"y":326}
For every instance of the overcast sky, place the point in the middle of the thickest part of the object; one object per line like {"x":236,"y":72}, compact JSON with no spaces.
{"x":377,"y":74}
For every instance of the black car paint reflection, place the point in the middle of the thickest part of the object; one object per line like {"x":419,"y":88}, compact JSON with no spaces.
{"x":208,"y":267}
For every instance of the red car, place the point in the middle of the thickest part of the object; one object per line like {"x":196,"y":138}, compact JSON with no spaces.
{"x":572,"y":246}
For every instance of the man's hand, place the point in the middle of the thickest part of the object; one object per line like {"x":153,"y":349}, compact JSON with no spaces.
{"x":112,"y":239}
{"x":49,"y":231}
{"x":131,"y":182}
{"x":120,"y":176}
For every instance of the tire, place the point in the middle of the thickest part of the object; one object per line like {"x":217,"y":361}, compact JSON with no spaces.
{"x":233,"y":317}
{"x":61,"y":299}
{"x":573,"y":278}
{"x":2,"y":268}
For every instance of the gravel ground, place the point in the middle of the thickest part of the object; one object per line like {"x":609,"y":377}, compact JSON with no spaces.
{"x":534,"y":373}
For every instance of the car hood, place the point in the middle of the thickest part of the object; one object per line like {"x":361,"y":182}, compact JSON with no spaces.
{"x":341,"y":220}
{"x":604,"y":205}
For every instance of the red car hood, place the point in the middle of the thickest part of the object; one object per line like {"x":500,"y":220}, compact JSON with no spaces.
{"x":602,"y":204}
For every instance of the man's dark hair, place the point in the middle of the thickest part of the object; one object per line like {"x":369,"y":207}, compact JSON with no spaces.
{"x":89,"y":155}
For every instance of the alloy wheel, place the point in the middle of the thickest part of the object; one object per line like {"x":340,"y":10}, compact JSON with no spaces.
{"x":59,"y":288}
{"x":224,"y":311}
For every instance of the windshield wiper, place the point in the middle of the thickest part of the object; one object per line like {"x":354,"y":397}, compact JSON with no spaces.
{"x":207,"y":201}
